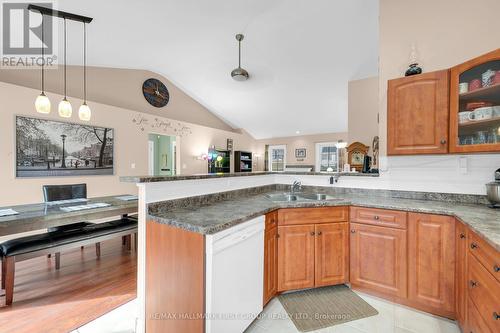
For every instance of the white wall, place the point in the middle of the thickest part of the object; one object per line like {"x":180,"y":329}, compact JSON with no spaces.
{"x":446,"y":33}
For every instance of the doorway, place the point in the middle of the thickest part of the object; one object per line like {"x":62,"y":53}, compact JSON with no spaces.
{"x":162,"y":155}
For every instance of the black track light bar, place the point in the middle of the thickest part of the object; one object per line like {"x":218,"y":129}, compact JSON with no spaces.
{"x":61,"y":14}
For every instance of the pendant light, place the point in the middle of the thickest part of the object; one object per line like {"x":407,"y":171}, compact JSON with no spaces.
{"x":65,"y":109}
{"x":239,"y":74}
{"x":84,"y":112}
{"x":42,"y":102}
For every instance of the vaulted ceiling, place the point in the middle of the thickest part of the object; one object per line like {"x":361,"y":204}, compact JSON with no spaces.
{"x":300,"y":54}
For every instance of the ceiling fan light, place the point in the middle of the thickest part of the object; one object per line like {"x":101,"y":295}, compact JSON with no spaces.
{"x":84,"y":112}
{"x":42,"y":104}
{"x":65,"y":109}
{"x":239,"y":74}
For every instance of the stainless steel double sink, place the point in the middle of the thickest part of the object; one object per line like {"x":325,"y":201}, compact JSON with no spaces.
{"x":290,"y":197}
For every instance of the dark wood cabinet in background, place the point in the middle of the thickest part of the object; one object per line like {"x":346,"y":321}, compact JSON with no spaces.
{"x":242,"y":161}
{"x":417,"y":114}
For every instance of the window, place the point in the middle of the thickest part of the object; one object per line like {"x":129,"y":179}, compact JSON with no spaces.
{"x":326,"y":156}
{"x":277,"y":158}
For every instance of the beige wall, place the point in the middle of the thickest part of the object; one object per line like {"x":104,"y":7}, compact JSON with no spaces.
{"x":363,"y":110}
{"x":130,"y":146}
{"x":118,"y":87}
{"x":445,"y":32}
{"x":305,"y":141}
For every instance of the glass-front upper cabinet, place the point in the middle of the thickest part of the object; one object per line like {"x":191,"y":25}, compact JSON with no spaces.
{"x":475,"y":105}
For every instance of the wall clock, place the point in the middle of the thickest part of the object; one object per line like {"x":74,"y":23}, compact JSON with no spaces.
{"x":356,"y":153}
{"x":155,"y":92}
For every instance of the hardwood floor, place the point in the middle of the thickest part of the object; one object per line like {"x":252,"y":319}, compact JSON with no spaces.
{"x":46,"y":300}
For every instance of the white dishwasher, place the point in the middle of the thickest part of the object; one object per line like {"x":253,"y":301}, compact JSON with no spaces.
{"x":234,"y":277}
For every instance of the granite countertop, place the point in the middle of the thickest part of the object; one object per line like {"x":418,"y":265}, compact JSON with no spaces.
{"x":41,"y":216}
{"x":152,"y":179}
{"x":215,"y":217}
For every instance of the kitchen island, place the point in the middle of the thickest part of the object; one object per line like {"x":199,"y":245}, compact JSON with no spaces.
{"x":175,"y":218}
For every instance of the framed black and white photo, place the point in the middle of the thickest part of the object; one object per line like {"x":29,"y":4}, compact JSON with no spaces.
{"x":48,"y":148}
{"x":300,"y":153}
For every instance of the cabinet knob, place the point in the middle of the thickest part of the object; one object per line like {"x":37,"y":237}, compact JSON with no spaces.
{"x":353,"y":231}
{"x":496,"y":316}
{"x":462,"y":236}
{"x":473,"y":283}
{"x":443,"y":141}
{"x":312,"y":233}
{"x":320,"y":233}
{"x":496,"y":268}
{"x":376,"y":217}
{"x":473,"y":246}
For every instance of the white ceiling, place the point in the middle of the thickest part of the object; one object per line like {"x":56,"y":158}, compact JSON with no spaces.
{"x":300,"y":54}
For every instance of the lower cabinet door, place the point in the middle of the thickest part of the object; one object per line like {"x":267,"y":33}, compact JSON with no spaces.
{"x":295,"y":257}
{"x":461,"y":273}
{"x":475,"y":323}
{"x":378,"y":260}
{"x":331,"y":254}
{"x":431,"y":263}
{"x":270,"y":264}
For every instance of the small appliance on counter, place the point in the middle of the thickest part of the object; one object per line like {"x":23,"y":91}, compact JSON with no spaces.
{"x":493,"y":191}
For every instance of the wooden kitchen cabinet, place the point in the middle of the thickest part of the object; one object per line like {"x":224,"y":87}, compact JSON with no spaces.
{"x":461,"y":273}
{"x":331,"y":254}
{"x":270,"y":258}
{"x":417,"y":114}
{"x":483,"y":291}
{"x":431,"y":263}
{"x":474,"y":100}
{"x":296,"y":257}
{"x":378,"y":260}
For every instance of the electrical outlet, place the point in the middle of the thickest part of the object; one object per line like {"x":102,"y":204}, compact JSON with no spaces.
{"x":132,"y":166}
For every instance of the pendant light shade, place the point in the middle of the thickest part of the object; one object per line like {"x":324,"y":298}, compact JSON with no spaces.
{"x":65,"y":109}
{"x":239,"y":74}
{"x":42,"y":102}
{"x":84,"y":112}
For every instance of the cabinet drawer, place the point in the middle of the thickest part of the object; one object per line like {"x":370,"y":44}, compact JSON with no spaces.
{"x":271,"y":220}
{"x":484,"y":293}
{"x":486,"y":255}
{"x":476,"y":324}
{"x":380,"y":217}
{"x":290,"y":216}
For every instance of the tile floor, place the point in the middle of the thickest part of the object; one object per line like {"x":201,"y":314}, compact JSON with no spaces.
{"x":392,"y":318}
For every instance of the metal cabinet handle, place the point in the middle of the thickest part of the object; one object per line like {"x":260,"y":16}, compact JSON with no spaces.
{"x":376,"y":217}
{"x":462,"y":236}
{"x":320,"y":233}
{"x":474,"y":246}
{"x":443,"y":141}
{"x":496,"y":316}
{"x":312,"y":233}
{"x":353,"y":231}
{"x":496,"y":268}
{"x":473,"y":283}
